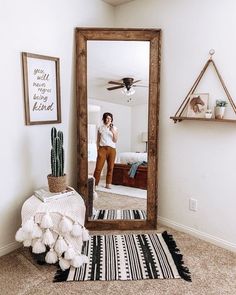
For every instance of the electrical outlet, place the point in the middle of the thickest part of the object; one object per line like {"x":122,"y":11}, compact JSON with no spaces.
{"x":192,"y":204}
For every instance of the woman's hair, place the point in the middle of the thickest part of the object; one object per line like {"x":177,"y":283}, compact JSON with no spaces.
{"x":105,"y":115}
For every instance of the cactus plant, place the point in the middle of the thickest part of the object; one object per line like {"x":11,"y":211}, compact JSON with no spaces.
{"x":57,"y":153}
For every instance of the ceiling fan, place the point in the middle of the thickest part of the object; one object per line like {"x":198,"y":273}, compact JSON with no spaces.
{"x":128,"y":83}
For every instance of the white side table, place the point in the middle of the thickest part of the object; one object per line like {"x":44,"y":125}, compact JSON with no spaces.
{"x":55,"y":228}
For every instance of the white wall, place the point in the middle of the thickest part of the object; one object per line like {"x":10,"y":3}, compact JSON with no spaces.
{"x":196,"y":159}
{"x":47,"y":28}
{"x":139,"y":116}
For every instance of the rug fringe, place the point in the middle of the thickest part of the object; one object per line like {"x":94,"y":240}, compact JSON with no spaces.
{"x":61,"y":275}
{"x":177,"y":257}
{"x":39,"y":258}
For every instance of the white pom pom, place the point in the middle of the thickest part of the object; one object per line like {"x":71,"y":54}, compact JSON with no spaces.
{"x":60,"y":245}
{"x":85,"y":234}
{"x":85,"y":258}
{"x":70,"y":253}
{"x":51,"y":257}
{"x":38,"y":247}
{"x":65,"y":225}
{"x":77,"y":261}
{"x":33,"y":242}
{"x":28,"y":225}
{"x":46,"y":221}
{"x":76,"y":230}
{"x":48,"y":237}
{"x":27,"y":243}
{"x":37,"y":232}
{"x":21,"y":235}
{"x":64,"y":264}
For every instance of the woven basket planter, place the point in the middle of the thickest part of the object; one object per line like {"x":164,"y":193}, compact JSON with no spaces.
{"x":57,"y":184}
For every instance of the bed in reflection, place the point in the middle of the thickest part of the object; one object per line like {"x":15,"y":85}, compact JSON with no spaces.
{"x":130,"y":170}
{"x":131,"y":157}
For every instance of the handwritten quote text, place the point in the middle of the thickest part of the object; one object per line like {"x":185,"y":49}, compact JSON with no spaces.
{"x":41,"y":91}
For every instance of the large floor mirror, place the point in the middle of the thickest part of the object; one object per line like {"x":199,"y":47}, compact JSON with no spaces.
{"x":118,"y":71}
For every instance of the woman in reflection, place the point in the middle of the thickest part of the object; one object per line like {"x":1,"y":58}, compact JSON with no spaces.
{"x":106,"y":145}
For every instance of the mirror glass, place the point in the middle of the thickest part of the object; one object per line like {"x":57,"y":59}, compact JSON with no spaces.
{"x":118,"y":83}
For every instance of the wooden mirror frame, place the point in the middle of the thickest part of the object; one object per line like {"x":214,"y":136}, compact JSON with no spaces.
{"x":117,"y":34}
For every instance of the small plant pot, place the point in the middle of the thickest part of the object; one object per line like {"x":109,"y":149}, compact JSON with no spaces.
{"x":57,"y":184}
{"x":208,"y":114}
{"x":219,"y":112}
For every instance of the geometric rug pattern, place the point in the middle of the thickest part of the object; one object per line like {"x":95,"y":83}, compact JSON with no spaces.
{"x":119,"y":214}
{"x":129,"y":257}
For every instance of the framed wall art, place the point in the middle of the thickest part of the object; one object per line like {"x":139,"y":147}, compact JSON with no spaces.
{"x":197,"y":105}
{"x":41,"y":77}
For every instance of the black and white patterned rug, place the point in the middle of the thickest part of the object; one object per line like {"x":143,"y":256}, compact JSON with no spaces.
{"x":119,"y":214}
{"x":129,"y":257}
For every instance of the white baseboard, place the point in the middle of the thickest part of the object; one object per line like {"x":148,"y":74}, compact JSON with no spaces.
{"x":9,"y":248}
{"x":196,"y":233}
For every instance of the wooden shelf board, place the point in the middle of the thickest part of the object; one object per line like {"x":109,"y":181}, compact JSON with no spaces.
{"x":179,"y":119}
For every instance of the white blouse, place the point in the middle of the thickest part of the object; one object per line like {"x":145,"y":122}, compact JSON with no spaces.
{"x":106,"y":136}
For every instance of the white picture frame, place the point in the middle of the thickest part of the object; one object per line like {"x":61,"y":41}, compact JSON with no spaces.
{"x":41,"y":80}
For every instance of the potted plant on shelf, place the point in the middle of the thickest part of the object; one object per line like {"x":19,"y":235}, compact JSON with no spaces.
{"x":220,"y":109}
{"x":57,"y":179}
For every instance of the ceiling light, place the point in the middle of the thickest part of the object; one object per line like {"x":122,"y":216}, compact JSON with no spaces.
{"x":127,"y":91}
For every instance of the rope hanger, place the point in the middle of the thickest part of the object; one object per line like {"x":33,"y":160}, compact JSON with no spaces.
{"x":195,"y":84}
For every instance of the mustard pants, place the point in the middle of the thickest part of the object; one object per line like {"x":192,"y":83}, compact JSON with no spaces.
{"x":105,"y":153}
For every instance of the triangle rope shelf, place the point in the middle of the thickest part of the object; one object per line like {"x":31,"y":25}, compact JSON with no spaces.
{"x":178,"y":117}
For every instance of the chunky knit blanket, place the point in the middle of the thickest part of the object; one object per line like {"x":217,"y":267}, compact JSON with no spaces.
{"x":55,"y":228}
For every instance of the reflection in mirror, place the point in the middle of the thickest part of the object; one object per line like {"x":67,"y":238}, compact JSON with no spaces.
{"x":117,"y":82}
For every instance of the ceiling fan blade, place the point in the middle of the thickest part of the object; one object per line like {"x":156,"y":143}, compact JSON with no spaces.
{"x":140,"y":86}
{"x":116,"y":83}
{"x":115,"y":87}
{"x":136,"y":81}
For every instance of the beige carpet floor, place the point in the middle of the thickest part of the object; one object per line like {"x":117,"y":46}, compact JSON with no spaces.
{"x":122,"y":190}
{"x":213,"y":272}
{"x":107,"y":200}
